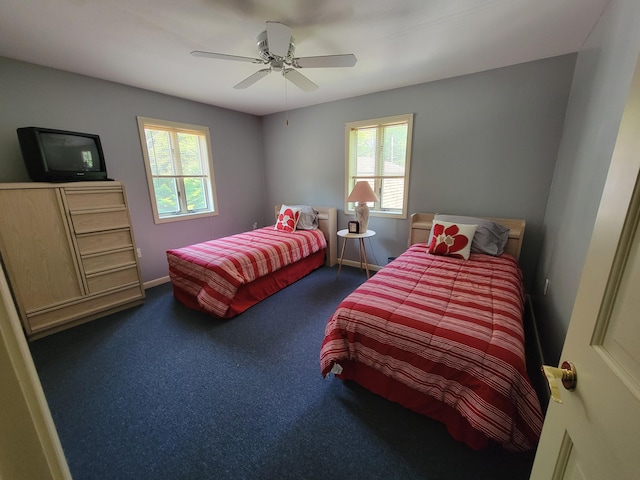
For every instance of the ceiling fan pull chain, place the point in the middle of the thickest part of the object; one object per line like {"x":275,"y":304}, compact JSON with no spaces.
{"x":286,"y":103}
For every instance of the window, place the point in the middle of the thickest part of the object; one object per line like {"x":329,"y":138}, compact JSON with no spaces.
{"x":179,"y":167}
{"x":379,"y":151}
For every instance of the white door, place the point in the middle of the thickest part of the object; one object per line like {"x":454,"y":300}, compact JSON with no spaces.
{"x":595,"y":432}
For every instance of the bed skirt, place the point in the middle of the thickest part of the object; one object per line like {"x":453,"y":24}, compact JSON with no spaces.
{"x":251,"y":293}
{"x":397,"y":392}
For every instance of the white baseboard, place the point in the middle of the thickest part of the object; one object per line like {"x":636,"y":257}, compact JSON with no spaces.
{"x":352,"y":263}
{"x":156,"y":282}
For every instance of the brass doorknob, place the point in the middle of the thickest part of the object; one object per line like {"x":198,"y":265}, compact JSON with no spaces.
{"x":566,"y":374}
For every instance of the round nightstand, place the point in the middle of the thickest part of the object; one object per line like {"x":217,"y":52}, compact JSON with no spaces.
{"x":363,"y":250}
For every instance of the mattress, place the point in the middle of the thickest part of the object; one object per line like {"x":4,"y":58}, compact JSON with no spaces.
{"x":444,"y":337}
{"x":211,"y":273}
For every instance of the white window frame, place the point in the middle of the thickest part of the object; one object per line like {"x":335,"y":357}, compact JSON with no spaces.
{"x":174,"y":128}
{"x":350,"y":158}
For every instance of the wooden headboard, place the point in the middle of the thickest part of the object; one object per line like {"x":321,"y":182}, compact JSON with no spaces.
{"x":421,"y":223}
{"x":328,"y":224}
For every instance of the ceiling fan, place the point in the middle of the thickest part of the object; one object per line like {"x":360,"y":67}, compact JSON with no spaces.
{"x":276,"y":48}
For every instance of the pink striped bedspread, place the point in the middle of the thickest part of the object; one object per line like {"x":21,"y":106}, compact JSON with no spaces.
{"x":451,"y":331}
{"x":213,"y":271}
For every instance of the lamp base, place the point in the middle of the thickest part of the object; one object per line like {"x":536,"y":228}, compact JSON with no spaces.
{"x":362,"y":216}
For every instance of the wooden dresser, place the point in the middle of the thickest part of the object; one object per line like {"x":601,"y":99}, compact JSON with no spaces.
{"x":69,"y":252}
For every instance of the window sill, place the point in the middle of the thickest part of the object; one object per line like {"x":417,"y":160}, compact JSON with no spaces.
{"x":378,"y":213}
{"x":186,"y":216}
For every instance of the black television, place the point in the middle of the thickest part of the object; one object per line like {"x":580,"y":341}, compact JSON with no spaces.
{"x":61,"y":156}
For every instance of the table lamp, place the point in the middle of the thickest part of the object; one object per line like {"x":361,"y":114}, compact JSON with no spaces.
{"x":362,"y":193}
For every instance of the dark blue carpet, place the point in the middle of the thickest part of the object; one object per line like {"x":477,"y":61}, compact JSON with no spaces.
{"x":163,"y":392}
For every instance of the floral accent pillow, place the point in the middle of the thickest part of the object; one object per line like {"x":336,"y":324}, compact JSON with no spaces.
{"x":490,"y":237}
{"x":287,"y":219}
{"x":451,"y":239}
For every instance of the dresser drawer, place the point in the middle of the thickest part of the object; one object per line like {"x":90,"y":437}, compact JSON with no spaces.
{"x":81,"y":199}
{"x":103,"y":241}
{"x":101,"y":281}
{"x":83,"y":307}
{"x":95,"y":221}
{"x":100,"y":262}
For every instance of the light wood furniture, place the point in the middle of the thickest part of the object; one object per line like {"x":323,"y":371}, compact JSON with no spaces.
{"x":69,"y":252}
{"x":345,"y":234}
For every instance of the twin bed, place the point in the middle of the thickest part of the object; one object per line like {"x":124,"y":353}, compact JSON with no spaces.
{"x":438,"y":330}
{"x":443,"y":336}
{"x":226,"y":276}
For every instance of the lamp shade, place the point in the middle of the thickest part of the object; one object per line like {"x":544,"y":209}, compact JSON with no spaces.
{"x":362,"y":192}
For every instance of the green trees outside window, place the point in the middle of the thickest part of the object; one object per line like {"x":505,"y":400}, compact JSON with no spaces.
{"x":179,"y":169}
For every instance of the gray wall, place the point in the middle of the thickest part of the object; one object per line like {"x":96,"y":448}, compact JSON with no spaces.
{"x":483,"y":144}
{"x":603,"y":74}
{"x":468,"y":131}
{"x":31,"y":95}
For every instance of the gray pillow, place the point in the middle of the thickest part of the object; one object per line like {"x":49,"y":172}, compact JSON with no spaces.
{"x":490,"y":237}
{"x":308,"y":218}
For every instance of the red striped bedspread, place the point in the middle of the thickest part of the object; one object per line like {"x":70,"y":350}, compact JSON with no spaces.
{"x":452,"y":331}
{"x":213,"y":271}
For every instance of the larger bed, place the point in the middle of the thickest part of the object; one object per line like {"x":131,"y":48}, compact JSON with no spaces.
{"x":443,"y":336}
{"x":226,"y":276}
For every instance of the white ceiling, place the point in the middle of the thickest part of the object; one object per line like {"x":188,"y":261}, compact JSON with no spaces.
{"x":147,"y":43}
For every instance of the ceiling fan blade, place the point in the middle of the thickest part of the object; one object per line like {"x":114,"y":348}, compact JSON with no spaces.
{"x":222,"y":56}
{"x":347,"y":60}
{"x":250,"y":80}
{"x":299,"y":80}
{"x":278,"y":38}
